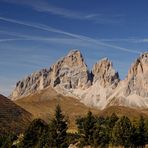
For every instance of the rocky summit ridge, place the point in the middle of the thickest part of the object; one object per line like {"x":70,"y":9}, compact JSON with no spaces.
{"x":101,"y":87}
{"x":133,"y":91}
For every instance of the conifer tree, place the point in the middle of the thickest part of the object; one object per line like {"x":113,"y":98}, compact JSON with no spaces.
{"x":86,"y":129}
{"x":8,"y":141}
{"x":122,"y":132}
{"x":112,"y":120}
{"x":141,"y":133}
{"x":57,"y":130}
{"x":33,"y":133}
{"x":101,"y":135}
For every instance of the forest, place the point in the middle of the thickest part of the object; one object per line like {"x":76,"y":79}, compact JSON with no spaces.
{"x":94,"y":131}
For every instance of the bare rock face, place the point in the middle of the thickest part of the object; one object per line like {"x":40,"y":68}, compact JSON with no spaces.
{"x":133,"y":91}
{"x":70,"y":72}
{"x":105,"y":74}
{"x":137,"y":78}
{"x":105,"y":80}
{"x":99,"y":88}
{"x":34,"y":82}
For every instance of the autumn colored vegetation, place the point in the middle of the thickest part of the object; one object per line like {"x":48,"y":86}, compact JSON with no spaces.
{"x":94,"y":131}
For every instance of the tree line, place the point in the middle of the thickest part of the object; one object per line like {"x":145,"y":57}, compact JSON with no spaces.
{"x":94,"y":131}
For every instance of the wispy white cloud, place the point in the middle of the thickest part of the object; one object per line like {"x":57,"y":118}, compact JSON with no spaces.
{"x":44,"y":6}
{"x":64,"y":39}
{"x":144,"y":40}
{"x":77,"y":36}
{"x":7,"y":40}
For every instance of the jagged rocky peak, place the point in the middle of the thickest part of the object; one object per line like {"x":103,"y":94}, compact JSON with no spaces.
{"x":140,"y":66}
{"x":104,"y":73}
{"x":74,"y":58}
{"x":137,"y":78}
{"x":70,"y":72}
{"x":32,"y":83}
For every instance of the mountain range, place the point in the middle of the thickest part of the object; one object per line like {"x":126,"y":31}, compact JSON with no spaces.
{"x":77,"y":89}
{"x":100,"y":88}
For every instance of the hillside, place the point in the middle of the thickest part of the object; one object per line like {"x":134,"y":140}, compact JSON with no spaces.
{"x":42,"y":105}
{"x":124,"y":111}
{"x":12,"y":117}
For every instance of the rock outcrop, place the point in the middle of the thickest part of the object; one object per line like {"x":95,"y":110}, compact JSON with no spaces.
{"x":137,"y":78}
{"x":31,"y":84}
{"x":133,"y":91}
{"x":105,"y":74}
{"x":69,"y":72}
{"x":104,"y":81}
{"x":99,"y":88}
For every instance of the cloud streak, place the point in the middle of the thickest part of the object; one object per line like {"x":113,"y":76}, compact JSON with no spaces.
{"x":44,"y":6}
{"x":66,"y":40}
{"x":77,"y":36}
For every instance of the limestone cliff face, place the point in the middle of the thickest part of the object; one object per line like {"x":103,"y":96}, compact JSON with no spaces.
{"x":104,"y":81}
{"x":133,"y":91}
{"x":69,"y":72}
{"x":31,"y":84}
{"x":105,"y":74}
{"x":137,"y":78}
{"x":99,"y":88}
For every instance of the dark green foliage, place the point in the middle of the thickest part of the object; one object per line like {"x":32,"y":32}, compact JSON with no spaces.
{"x":112,"y":120}
{"x":97,"y":132}
{"x":7,"y":140}
{"x":57,"y":135}
{"x":86,"y":129}
{"x":101,"y":135}
{"x":122,"y":132}
{"x":58,"y":128}
{"x":41,"y":135}
{"x":139,"y":134}
{"x":146,"y":131}
{"x":2,"y":140}
{"x":33,"y":133}
{"x":72,"y":138}
{"x":134,"y":136}
{"x":142,"y":132}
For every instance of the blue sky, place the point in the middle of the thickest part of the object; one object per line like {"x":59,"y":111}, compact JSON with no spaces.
{"x":35,"y":33}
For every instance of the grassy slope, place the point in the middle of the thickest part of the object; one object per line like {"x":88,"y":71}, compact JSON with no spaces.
{"x":43,"y":103}
{"x":124,"y":111}
{"x":12,"y":117}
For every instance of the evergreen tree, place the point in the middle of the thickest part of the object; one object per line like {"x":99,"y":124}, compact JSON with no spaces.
{"x":7,"y":140}
{"x":86,"y":129}
{"x":146,"y":131}
{"x":110,"y":123}
{"x":2,"y":139}
{"x":112,"y":120}
{"x":33,"y":133}
{"x":57,"y":135}
{"x":44,"y":138}
{"x":141,"y":133}
{"x":101,"y":135}
{"x":122,"y":132}
{"x":134,"y":136}
{"x":101,"y":120}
